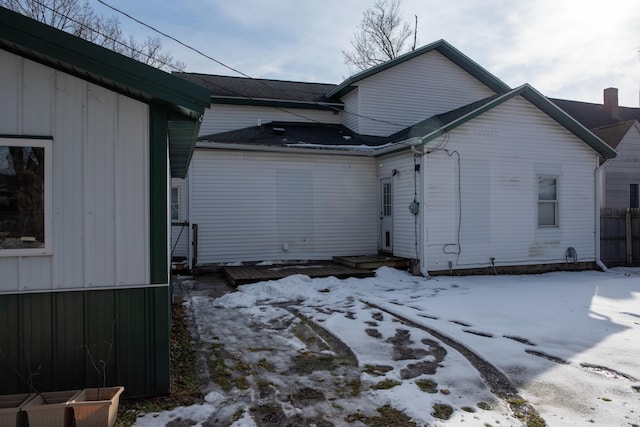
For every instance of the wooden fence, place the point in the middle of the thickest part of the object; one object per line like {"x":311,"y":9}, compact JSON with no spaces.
{"x":620,"y":236}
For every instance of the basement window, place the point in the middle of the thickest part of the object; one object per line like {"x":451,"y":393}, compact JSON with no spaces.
{"x":25,"y":196}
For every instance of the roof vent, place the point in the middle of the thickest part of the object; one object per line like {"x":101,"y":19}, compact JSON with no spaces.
{"x":279,"y":131}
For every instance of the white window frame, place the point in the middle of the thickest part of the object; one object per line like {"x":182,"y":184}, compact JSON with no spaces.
{"x":555,"y":202}
{"x":177,"y":203}
{"x":47,"y":144}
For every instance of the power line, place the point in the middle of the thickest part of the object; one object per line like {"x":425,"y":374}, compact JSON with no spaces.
{"x":259,"y":81}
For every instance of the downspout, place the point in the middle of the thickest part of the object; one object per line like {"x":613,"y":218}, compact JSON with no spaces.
{"x":422,"y":211}
{"x":598,"y":180}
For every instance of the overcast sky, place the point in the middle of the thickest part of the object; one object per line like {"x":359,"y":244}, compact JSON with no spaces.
{"x":570,"y":49}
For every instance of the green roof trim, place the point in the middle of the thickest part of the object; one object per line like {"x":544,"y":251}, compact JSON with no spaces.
{"x":186,"y":101}
{"x":443,"y":47}
{"x":433,"y":127}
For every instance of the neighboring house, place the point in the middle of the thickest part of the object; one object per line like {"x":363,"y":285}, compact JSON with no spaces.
{"x":88,"y":139}
{"x":428,"y":157}
{"x":619,"y":128}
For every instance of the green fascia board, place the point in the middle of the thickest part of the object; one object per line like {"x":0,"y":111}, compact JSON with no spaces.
{"x":436,"y":126}
{"x":182,"y":141}
{"x":277,"y":103}
{"x":442,"y":46}
{"x":71,"y":54}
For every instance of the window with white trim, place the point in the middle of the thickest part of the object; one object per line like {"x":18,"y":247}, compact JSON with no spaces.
{"x":175,"y":204}
{"x":547,"y":201}
{"x":25,"y":196}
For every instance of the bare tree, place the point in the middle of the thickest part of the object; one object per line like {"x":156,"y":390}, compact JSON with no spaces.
{"x":381,"y":36}
{"x":78,"y":18}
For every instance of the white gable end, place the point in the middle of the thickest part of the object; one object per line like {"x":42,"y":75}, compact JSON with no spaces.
{"x":412,"y":91}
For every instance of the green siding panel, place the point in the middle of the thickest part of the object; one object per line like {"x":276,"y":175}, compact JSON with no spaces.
{"x":67,"y":340}
{"x":158,"y":194}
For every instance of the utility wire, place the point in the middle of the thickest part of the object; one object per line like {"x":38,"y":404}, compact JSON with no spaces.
{"x":199,"y":52}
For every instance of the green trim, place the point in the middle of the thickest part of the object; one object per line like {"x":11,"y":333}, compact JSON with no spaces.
{"x":158,"y":133}
{"x":277,"y":103}
{"x":57,"y":49}
{"x":441,"y":46}
{"x":26,"y":136}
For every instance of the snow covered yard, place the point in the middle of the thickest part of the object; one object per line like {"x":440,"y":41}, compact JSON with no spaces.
{"x":402,"y":350}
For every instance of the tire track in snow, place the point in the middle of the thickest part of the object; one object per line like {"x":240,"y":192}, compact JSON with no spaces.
{"x":497,"y":381}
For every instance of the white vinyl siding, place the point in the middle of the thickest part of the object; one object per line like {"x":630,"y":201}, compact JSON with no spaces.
{"x":548,"y":201}
{"x":180,"y":231}
{"x":100,"y":170}
{"x":224,"y":117}
{"x":405,"y":186}
{"x":259,"y":206}
{"x":424,"y":86}
{"x":622,"y":171}
{"x":350,"y":117}
{"x":484,"y":205}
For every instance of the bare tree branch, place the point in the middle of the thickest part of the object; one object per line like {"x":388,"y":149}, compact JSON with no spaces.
{"x":380,"y":37}
{"x":78,"y":18}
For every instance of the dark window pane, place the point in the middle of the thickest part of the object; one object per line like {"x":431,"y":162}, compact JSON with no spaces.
{"x":21,"y":197}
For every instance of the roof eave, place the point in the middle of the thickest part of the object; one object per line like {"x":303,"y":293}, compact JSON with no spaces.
{"x":278,"y":103}
{"x":57,"y":49}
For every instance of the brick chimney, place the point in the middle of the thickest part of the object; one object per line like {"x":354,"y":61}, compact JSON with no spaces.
{"x":611,"y":102}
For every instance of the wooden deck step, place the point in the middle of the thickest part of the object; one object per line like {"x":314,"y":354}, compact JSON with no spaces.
{"x":372,"y":262}
{"x":242,"y":275}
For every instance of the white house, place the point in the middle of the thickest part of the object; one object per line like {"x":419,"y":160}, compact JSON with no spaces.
{"x":428,"y":156}
{"x":88,"y":142}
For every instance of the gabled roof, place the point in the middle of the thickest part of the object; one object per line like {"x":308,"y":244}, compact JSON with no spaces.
{"x":264,"y":92}
{"x":288,"y":133}
{"x":450,"y":52}
{"x":614,"y":134}
{"x":436,"y":126}
{"x":595,"y":115}
{"x":55,"y":48}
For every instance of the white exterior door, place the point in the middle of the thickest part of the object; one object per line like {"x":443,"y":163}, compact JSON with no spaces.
{"x":386,"y":217}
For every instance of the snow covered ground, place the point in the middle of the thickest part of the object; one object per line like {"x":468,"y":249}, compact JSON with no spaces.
{"x":330,"y":352}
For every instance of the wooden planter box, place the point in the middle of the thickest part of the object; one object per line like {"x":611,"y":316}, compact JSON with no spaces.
{"x":11,"y":414}
{"x":50,"y":409}
{"x":96,"y":407}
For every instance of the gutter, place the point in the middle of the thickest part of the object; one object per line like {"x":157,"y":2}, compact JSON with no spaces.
{"x":280,"y":149}
{"x":598,"y":181}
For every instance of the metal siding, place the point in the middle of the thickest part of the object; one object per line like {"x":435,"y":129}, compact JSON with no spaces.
{"x":132,"y":213}
{"x":69,"y":182}
{"x":224,"y":117}
{"x":10,"y":82}
{"x":100,"y":191}
{"x":55,"y":335}
{"x":158,"y":203}
{"x":100,"y":178}
{"x":401,"y":96}
{"x":501,"y":154}
{"x":235,"y":199}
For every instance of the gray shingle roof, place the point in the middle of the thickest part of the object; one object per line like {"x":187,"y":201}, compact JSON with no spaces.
{"x":286,"y":133}
{"x":595,"y":115}
{"x":262,"y":89}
